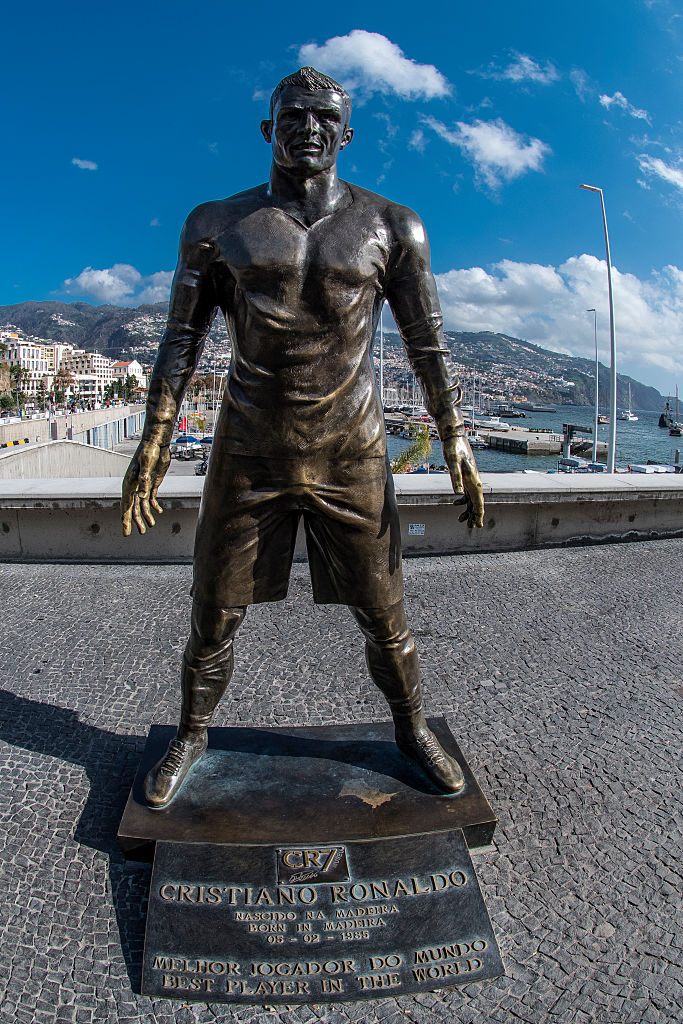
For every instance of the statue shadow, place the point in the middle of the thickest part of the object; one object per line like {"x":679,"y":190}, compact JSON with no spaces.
{"x":110,"y":761}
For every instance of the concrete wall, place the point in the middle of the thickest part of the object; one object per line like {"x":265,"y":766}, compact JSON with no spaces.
{"x":50,"y":460}
{"x":103,"y":427}
{"x":78,"y":520}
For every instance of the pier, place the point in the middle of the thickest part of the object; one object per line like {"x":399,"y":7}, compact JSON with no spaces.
{"x":525,"y":441}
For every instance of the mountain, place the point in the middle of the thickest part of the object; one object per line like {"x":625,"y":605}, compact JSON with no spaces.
{"x":505,"y":365}
{"x":112,"y":330}
{"x":550,"y":374}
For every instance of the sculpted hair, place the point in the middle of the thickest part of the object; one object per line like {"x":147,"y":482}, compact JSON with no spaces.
{"x":313,"y":81}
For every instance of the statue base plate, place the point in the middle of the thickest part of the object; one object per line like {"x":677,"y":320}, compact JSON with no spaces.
{"x":315,"y":924}
{"x":309,"y":785}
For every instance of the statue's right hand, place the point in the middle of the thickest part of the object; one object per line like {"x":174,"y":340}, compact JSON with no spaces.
{"x":140,"y":485}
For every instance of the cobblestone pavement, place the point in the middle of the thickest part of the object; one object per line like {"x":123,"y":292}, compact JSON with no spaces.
{"x":561,"y":675}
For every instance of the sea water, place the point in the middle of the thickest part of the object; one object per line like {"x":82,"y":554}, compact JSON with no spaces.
{"x":636,"y":442}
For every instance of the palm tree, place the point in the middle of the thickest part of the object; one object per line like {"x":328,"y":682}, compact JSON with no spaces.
{"x":128,"y":386}
{"x":418,"y":451}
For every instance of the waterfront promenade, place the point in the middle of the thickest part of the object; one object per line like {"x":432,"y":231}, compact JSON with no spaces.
{"x":561,"y":675}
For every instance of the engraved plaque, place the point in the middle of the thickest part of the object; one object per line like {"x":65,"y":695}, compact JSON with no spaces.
{"x":231,"y":924}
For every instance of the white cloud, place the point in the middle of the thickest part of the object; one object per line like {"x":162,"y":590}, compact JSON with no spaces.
{"x":155,"y":222}
{"x":497,"y":151}
{"x":581,"y":82}
{"x":620,"y":101}
{"x":524,"y":69}
{"x":417,"y":140}
{"x":546,"y":305}
{"x":85,"y":165}
{"x":367,"y":62}
{"x":120,"y":285}
{"x":653,"y":165}
{"x":157,"y":287}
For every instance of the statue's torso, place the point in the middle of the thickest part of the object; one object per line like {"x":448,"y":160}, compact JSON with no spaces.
{"x":301,"y":306}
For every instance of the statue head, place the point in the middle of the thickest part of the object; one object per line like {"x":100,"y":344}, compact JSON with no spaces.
{"x":309,"y":122}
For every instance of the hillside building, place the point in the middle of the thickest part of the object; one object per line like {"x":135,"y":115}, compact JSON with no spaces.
{"x":130,"y":368}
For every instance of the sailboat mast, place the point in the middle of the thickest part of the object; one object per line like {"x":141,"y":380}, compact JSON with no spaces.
{"x":381,"y":355}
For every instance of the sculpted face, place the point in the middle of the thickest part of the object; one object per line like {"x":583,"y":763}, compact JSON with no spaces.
{"x":308,"y":130}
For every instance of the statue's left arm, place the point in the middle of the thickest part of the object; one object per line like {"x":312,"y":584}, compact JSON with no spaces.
{"x":411,"y":293}
{"x":191,"y":312}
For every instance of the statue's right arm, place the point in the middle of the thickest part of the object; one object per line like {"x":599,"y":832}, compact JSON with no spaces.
{"x":191,"y":311}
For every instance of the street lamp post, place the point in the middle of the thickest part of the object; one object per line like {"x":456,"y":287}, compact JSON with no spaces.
{"x":213,"y":401}
{"x":597,"y":383}
{"x":381,"y":356}
{"x":612,"y":442}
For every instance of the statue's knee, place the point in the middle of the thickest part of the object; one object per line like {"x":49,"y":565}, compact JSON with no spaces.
{"x":213,"y":629}
{"x":385,"y":627}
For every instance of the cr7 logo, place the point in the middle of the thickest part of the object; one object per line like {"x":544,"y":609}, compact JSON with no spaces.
{"x":312,"y":865}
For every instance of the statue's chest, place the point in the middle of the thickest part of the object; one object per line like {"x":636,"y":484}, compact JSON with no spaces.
{"x":270,"y":252}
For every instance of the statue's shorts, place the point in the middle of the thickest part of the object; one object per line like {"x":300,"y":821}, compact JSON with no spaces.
{"x":248,"y":522}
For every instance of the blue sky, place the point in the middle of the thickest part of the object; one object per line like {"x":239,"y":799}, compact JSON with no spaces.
{"x":484,"y":118}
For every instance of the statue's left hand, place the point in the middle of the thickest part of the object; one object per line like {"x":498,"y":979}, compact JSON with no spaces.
{"x":140,"y":485}
{"x":465,"y":479}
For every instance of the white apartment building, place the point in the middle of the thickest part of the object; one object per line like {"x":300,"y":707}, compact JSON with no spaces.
{"x":91,"y":371}
{"x":130,"y":368}
{"x":37,"y":359}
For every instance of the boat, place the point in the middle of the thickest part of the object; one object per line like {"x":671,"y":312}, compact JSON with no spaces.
{"x":504,"y":409}
{"x":533,"y":407}
{"x":666,"y":419}
{"x":493,"y":423}
{"x":676,"y":428}
{"x":627,"y":416}
{"x":603,"y":419}
{"x":476,"y":441}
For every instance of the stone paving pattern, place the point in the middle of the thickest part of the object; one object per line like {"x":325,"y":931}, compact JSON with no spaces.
{"x":560,"y":672}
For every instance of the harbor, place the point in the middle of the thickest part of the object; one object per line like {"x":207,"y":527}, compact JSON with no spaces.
{"x":506,"y":452}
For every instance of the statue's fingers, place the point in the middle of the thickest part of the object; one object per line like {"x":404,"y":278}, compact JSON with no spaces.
{"x":456,"y":479}
{"x":153,"y":496}
{"x":475,"y":493}
{"x":137,"y":518}
{"x":126,"y":518}
{"x":146,"y":510}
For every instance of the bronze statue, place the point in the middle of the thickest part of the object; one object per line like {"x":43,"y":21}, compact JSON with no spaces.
{"x":299,"y":267}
